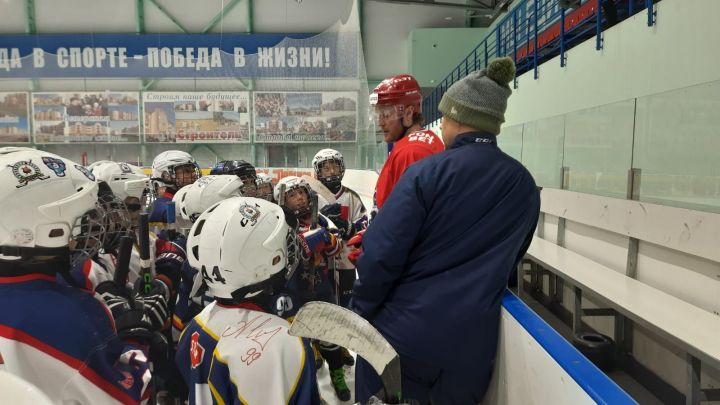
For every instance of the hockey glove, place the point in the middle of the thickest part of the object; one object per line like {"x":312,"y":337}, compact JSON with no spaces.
{"x":314,"y":241}
{"x":169,"y":263}
{"x":331,"y":211}
{"x":354,"y":255}
{"x":356,"y":241}
{"x":130,"y":319}
{"x":155,"y":304}
{"x":334,"y":213}
{"x":172,"y":236}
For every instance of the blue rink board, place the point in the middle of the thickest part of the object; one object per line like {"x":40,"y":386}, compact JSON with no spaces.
{"x":590,"y":378}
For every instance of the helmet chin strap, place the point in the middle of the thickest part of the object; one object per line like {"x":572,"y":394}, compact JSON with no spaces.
{"x":405,"y":128}
{"x":270,"y":285}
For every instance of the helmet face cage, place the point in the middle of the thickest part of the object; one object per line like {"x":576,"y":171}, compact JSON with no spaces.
{"x":148,"y":198}
{"x":330,"y":181}
{"x":301,"y":211}
{"x":265,"y":190}
{"x":88,"y":233}
{"x":116,"y":221}
{"x":293,"y":253}
{"x":183,"y":179}
{"x":250,"y":188}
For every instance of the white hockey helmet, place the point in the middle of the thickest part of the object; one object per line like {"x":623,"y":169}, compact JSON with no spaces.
{"x":291,"y":183}
{"x":46,"y":201}
{"x":242,"y":246}
{"x":195,"y":198}
{"x":329,"y":155}
{"x":264,"y":186}
{"x":263,"y":178}
{"x":124,"y":179}
{"x":93,"y":165}
{"x":164,"y":168}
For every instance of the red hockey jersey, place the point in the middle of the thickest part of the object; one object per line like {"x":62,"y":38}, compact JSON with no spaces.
{"x":408,"y":150}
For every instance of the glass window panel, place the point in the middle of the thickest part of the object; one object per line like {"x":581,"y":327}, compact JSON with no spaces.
{"x":598,"y":148}
{"x":542,"y":151}
{"x":677,"y":139}
{"x":510,"y":141}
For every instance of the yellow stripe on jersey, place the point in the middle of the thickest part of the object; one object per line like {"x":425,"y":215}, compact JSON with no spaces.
{"x":206,"y":329}
{"x":182,"y":333}
{"x":215,"y":394}
{"x":300,"y":372}
{"x":216,"y":356}
{"x":178,"y":324}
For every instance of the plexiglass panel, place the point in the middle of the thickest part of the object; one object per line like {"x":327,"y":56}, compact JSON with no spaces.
{"x":598,"y":148}
{"x":510,"y":141}
{"x":542,"y":151}
{"x":677,"y":139}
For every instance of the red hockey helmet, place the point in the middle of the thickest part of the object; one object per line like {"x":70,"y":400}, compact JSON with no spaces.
{"x":397,"y":90}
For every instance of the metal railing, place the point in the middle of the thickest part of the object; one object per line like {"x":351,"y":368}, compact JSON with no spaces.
{"x":536,"y":31}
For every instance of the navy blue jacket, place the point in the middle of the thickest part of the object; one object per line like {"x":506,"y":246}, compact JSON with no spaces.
{"x":438,"y":256}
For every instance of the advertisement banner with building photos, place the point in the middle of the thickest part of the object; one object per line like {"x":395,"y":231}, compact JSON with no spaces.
{"x":188,"y":117}
{"x":311,"y":117}
{"x":14,"y":124}
{"x":86,"y":117}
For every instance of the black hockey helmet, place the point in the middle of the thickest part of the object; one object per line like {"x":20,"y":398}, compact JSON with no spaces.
{"x":242,"y":169}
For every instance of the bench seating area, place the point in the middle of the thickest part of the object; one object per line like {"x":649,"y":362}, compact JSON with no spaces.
{"x":692,"y":329}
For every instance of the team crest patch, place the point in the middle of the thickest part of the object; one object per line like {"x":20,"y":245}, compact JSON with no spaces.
{"x":125,"y":168}
{"x":56,"y":165}
{"x":26,"y":171}
{"x":22,"y":236}
{"x":250,"y":214}
{"x":86,"y":172}
{"x":196,"y":350}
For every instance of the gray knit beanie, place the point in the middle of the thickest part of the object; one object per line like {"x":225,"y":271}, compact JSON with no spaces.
{"x":479,"y":100}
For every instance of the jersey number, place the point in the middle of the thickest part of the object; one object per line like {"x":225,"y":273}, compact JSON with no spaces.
{"x":215,"y":273}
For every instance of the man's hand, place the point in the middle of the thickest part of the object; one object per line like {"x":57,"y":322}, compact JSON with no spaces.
{"x":356,"y":242}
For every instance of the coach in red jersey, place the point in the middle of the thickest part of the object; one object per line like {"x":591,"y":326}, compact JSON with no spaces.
{"x":395,"y":104}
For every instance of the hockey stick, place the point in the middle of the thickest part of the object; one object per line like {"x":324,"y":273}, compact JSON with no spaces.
{"x":123,"y":261}
{"x":314,"y":212}
{"x":333,"y":324}
{"x":320,"y":188}
{"x":281,"y":195}
{"x":145,"y":263}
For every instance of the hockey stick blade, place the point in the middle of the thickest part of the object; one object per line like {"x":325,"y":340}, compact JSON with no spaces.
{"x":320,"y":188}
{"x":333,"y":324}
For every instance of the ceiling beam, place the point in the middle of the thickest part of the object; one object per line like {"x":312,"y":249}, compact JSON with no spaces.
{"x":440,"y":4}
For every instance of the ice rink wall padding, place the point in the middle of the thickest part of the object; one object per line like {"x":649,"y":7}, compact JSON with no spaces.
{"x":536,"y":365}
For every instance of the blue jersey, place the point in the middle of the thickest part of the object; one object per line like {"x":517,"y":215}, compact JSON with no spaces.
{"x":242,"y":355}
{"x":310,"y":281}
{"x":63,"y":341}
{"x":158,"y":216}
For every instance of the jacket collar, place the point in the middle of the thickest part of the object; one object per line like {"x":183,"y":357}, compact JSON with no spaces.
{"x":474,"y":137}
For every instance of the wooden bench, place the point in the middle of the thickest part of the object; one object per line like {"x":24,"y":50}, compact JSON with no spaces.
{"x":693,"y":329}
